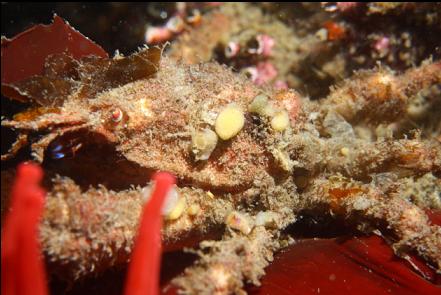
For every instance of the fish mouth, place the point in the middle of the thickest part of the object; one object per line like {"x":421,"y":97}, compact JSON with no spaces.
{"x":38,"y":135}
{"x":91,"y":161}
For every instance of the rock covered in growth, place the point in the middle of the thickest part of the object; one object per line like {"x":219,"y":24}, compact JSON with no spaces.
{"x":313,"y":46}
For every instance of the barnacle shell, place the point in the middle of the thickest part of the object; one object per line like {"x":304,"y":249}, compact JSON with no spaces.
{"x":239,"y":221}
{"x":260,"y":105}
{"x":203,"y":143}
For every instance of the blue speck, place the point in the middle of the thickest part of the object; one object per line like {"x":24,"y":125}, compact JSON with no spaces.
{"x":58,"y":156}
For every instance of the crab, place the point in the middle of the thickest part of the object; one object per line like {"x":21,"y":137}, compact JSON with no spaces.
{"x":249,"y":161}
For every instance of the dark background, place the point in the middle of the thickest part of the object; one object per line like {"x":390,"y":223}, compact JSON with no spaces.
{"x":111,"y":25}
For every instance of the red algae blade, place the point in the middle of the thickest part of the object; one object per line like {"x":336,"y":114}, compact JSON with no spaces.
{"x":25,"y":54}
{"x":360,"y":265}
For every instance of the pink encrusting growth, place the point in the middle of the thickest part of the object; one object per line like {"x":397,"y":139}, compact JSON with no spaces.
{"x":155,"y":35}
{"x":22,"y":265}
{"x":143,"y":273}
{"x":382,"y":44}
{"x":340,"y":6}
{"x":266,"y":44}
{"x":263,"y":73}
{"x":281,"y":85}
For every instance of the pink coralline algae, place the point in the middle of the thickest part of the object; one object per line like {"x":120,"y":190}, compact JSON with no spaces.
{"x":263,"y":73}
{"x":382,"y":44}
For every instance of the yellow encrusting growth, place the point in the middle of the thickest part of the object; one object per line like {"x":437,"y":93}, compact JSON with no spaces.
{"x":344,"y":151}
{"x":280,"y":121}
{"x":229,"y":122}
{"x":194,"y":209}
{"x":177,"y":210}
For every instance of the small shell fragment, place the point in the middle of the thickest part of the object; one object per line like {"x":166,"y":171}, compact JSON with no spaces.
{"x":283,"y":160}
{"x":280,"y":121}
{"x":174,"y":205}
{"x":266,"y":219}
{"x":203,"y":143}
{"x":229,"y":122}
{"x":239,"y":221}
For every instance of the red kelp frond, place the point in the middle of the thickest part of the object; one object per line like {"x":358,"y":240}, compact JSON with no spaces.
{"x":22,"y":266}
{"x":434,"y":216}
{"x":25,"y":54}
{"x":360,"y":265}
{"x":45,"y":64}
{"x":143,"y":273}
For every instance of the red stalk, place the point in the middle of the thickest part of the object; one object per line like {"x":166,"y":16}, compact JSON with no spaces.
{"x":143,"y":272}
{"x":22,"y":267}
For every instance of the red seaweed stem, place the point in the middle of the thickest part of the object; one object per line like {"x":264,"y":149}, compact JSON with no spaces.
{"x":23,"y":271}
{"x":143,"y":272}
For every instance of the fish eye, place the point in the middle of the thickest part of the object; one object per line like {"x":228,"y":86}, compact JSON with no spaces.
{"x":116,"y":115}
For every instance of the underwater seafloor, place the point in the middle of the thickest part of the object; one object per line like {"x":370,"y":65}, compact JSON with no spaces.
{"x":305,"y":139}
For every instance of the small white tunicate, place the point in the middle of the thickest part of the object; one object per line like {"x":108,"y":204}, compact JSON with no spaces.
{"x":171,"y":199}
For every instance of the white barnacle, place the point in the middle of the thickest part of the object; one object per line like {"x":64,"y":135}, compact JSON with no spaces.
{"x":283,"y":159}
{"x":267,"y":219}
{"x":203,"y":143}
{"x":174,"y":204}
{"x":239,"y":221}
